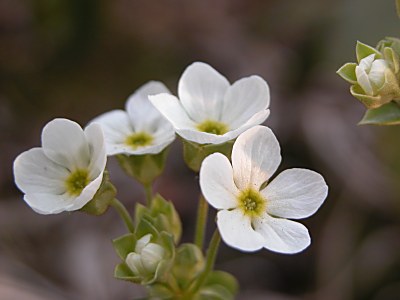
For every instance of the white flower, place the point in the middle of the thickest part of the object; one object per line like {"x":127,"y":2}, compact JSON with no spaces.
{"x":370,"y":74}
{"x":253,"y":211}
{"x":146,"y":258}
{"x":210,"y":110}
{"x":139,"y":130}
{"x":66,"y":172}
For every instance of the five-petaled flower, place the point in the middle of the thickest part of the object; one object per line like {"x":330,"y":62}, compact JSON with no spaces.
{"x":139,"y":130}
{"x":66,"y":172}
{"x":253,"y":212}
{"x":210,"y":110}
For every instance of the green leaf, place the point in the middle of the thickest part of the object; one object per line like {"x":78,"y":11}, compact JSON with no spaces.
{"x":124,"y":245}
{"x":388,"y":114}
{"x":225,"y":279}
{"x":123,"y":272}
{"x":348,"y":72}
{"x":363,"y":50}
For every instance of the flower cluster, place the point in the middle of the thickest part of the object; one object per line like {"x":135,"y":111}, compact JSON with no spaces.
{"x":219,"y":125}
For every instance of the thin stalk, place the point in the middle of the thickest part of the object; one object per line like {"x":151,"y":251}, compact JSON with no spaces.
{"x":201,"y":222}
{"x":210,"y":261}
{"x":123,"y":213}
{"x":148,"y":188}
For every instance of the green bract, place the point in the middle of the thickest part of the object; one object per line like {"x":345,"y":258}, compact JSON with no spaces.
{"x":162,"y":215}
{"x":374,"y":78}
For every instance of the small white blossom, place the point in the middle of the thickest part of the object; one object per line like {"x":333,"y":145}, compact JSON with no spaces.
{"x":253,"y":212}
{"x":146,"y":258}
{"x":66,"y":172}
{"x":370,"y":74}
{"x":210,"y":110}
{"x":139,"y":130}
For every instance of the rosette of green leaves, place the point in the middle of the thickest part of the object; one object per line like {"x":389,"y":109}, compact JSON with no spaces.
{"x":147,"y":259}
{"x":162,"y":215}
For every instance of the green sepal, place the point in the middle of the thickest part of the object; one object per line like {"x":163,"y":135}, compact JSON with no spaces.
{"x":194,"y":154}
{"x":363,"y":50}
{"x":124,"y":245}
{"x":144,"y":168}
{"x":219,"y":286}
{"x":389,"y":42}
{"x":159,"y":291}
{"x":368,"y":101}
{"x":165,"y":265}
{"x":188,"y":265}
{"x":102,"y":199}
{"x":162,"y":215}
{"x":123,"y":272}
{"x":391,"y":56}
{"x":388,"y":114}
{"x":145,"y":226}
{"x":348,"y":72}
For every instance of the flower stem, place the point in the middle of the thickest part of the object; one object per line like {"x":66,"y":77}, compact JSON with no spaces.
{"x":210,"y":260}
{"x":201,"y":223}
{"x":123,"y":213}
{"x":148,"y":188}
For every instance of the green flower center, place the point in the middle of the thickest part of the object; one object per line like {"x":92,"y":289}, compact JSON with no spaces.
{"x":139,"y":139}
{"x":251,"y":202}
{"x":77,"y":181}
{"x":214,"y":127}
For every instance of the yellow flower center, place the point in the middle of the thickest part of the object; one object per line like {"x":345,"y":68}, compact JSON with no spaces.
{"x":251,"y":202}
{"x":214,"y":127}
{"x":139,"y":139}
{"x":77,"y":181}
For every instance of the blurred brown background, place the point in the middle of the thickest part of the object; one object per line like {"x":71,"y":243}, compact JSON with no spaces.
{"x":79,"y":58}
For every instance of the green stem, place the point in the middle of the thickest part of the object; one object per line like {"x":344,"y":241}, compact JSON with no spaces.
{"x":123,"y":213}
{"x":148,"y":188}
{"x":201,"y":223}
{"x":210,"y":260}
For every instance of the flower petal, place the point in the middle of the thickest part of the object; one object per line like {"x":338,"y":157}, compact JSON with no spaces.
{"x":116,"y":127}
{"x":46,"y":204}
{"x":216,"y":182}
{"x":201,"y":90}
{"x":295,"y":193}
{"x":255,"y":157}
{"x":142,"y":114}
{"x":97,"y":146}
{"x":236,"y":231}
{"x":363,"y":81}
{"x":243,"y":99}
{"x":64,"y":142}
{"x":34,"y":172}
{"x":281,"y":235}
{"x":171,"y":108}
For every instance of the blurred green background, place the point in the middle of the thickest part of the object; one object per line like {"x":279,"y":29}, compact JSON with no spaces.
{"x":79,"y":58}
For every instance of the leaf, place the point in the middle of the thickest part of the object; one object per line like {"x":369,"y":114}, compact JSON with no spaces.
{"x":387,"y":114}
{"x":363,"y":50}
{"x":348,"y":72}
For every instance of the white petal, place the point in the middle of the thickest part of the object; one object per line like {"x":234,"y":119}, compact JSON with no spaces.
{"x":97,"y":147}
{"x":363,"y":81}
{"x":200,"y":137}
{"x":366,"y":62}
{"x":216,"y":182}
{"x":44,"y":203}
{"x":142,"y":242}
{"x":244,"y":99}
{"x":170,"y":107}
{"x":377,"y":73}
{"x":151,"y":256}
{"x":34,"y":172}
{"x":236,"y":231}
{"x":143,"y":115}
{"x":281,"y":235}
{"x":87,"y":193}
{"x":64,"y":142}
{"x":295,"y":193}
{"x":255,"y":157}
{"x":116,"y":128}
{"x":201,"y":90}
{"x":134,"y":262}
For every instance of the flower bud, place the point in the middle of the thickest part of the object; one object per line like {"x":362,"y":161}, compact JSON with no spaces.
{"x":146,"y":258}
